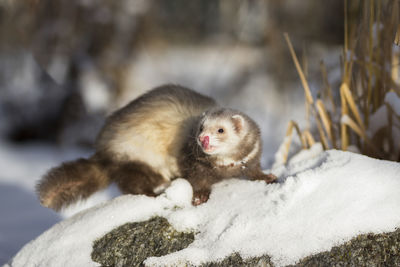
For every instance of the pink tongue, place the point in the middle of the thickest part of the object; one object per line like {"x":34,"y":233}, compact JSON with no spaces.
{"x":206,"y":141}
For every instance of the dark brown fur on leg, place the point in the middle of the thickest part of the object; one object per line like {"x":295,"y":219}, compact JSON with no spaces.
{"x":200,"y":196}
{"x":257,"y":174}
{"x":136,"y":178}
{"x":70,"y":182}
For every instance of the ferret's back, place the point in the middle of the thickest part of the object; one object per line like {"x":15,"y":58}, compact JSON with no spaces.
{"x":152,"y":127}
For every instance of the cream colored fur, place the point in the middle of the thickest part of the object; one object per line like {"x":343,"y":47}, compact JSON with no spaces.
{"x":154,"y":133}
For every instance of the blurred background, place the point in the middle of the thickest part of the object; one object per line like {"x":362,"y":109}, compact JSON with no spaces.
{"x":66,"y":64}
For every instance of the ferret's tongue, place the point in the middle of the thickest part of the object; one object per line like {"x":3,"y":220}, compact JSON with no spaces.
{"x":206,"y":142}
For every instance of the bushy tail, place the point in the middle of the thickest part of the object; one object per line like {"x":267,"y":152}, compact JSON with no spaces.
{"x":70,"y":182}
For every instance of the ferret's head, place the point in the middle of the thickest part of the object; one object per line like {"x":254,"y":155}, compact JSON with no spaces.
{"x":221,"y":130}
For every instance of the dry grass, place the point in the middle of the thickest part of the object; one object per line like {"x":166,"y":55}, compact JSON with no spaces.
{"x":370,"y":70}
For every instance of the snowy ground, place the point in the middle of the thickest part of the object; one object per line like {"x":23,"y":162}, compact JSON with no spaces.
{"x":22,"y":218}
{"x":323,"y":198}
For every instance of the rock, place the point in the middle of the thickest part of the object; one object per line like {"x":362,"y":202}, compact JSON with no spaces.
{"x":132,"y":243}
{"x":236,"y":260}
{"x":363,"y":250}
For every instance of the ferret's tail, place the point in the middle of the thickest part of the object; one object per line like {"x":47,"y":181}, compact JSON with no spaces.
{"x":70,"y":182}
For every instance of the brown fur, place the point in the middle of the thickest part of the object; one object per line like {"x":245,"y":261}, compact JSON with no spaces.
{"x":70,"y":182}
{"x":146,"y":144}
{"x":202,"y":170}
{"x":136,"y":178}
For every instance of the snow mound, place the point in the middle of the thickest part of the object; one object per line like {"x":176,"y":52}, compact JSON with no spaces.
{"x":321,"y":200}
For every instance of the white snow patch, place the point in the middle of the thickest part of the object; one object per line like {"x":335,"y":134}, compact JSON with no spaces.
{"x":325,"y":199}
{"x":94,"y":91}
{"x":22,"y":218}
{"x":380,"y":118}
{"x":75,"y":235}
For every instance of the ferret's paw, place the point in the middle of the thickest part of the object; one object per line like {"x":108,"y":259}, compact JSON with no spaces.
{"x":268,"y":178}
{"x":200,"y":197}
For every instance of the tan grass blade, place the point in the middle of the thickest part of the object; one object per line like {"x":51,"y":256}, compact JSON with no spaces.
{"x":327,"y":85}
{"x":345,"y":91}
{"x":349,"y":122}
{"x":288,"y":139}
{"x":293,"y":124}
{"x":395,"y":67}
{"x":343,"y":127}
{"x":322,"y":136}
{"x":307,"y":136}
{"x":397,"y":37}
{"x":299,"y":70}
{"x":326,"y":121}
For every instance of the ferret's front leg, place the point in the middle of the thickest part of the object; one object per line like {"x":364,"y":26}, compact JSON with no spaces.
{"x":201,"y":184}
{"x":257,"y":174}
{"x":200,"y":196}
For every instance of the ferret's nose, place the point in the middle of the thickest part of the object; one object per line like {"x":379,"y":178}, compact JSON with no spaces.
{"x":205,"y":141}
{"x":202,"y":138}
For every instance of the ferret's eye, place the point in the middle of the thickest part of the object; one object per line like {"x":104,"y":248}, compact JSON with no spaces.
{"x":201,"y":128}
{"x":221,"y":130}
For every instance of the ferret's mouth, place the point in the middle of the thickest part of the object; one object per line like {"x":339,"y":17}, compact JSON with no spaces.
{"x":209,"y":149}
{"x":204,"y":143}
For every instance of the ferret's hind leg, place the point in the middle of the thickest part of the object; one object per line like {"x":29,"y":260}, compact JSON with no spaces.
{"x":136,"y":177}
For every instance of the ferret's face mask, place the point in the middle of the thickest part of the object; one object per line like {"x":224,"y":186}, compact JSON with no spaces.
{"x":218,"y":136}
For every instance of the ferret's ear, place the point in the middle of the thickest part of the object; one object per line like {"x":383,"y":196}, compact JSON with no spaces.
{"x":238,"y":122}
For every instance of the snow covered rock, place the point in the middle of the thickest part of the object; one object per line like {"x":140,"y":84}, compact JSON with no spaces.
{"x":322,"y":200}
{"x":132,"y":243}
{"x":363,"y":250}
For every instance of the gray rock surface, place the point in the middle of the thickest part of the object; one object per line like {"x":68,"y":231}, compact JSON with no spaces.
{"x":363,"y":250}
{"x":131,"y":243}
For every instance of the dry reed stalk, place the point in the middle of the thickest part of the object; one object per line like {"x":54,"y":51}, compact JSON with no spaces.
{"x":309,"y":98}
{"x":370,"y":53}
{"x":288,"y":139}
{"x":343,"y":127}
{"x":307,"y":136}
{"x":293,"y":124}
{"x":378,"y":19}
{"x":322,"y":136}
{"x":299,"y":70}
{"x":397,"y":36}
{"x":353,"y":125}
{"x":345,"y":91}
{"x":326,"y":121}
{"x":395,"y":67}
{"x":327,"y":86}
{"x":363,"y":88}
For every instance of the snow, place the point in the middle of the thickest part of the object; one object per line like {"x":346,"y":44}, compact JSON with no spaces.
{"x":95,"y":92}
{"x":75,"y":236}
{"x":321,"y":200}
{"x":22,"y":218}
{"x":380,"y":120}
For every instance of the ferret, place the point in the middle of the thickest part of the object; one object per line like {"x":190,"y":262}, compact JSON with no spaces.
{"x":168,"y":132}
